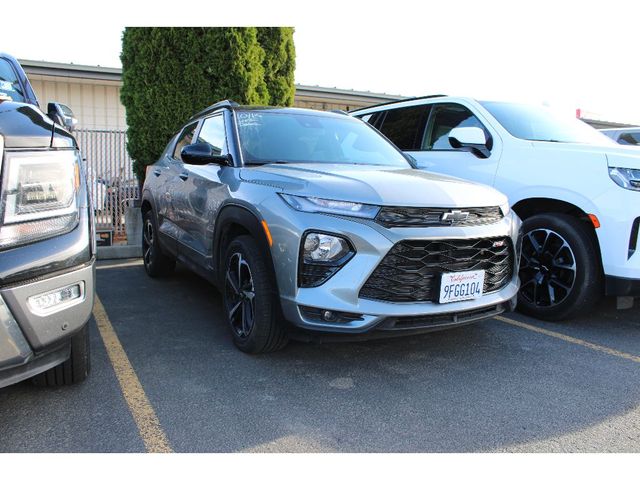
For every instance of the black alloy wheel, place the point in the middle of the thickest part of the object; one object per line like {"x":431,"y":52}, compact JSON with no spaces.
{"x":148,"y":237}
{"x":250,"y":298}
{"x":240,"y":295}
{"x":156,"y":263}
{"x":560,"y":271}
{"x":547,"y":269}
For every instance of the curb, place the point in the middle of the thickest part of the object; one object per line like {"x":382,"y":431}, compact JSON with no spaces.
{"x":119,"y":251}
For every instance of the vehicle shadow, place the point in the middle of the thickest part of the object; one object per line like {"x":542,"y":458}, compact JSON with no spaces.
{"x":483,"y":387}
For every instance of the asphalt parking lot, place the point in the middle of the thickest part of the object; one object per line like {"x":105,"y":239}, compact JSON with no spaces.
{"x":166,"y":377}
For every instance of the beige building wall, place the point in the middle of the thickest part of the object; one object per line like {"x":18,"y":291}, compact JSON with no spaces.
{"x":93,"y":93}
{"x":96,"y":103}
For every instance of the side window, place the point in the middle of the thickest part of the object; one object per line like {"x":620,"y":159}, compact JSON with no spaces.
{"x":443,"y":119}
{"x":632,"y":138}
{"x":212,"y":132}
{"x":404,"y":126}
{"x":185,"y":138}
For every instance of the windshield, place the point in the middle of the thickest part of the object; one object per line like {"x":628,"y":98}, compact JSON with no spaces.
{"x":292,"y":137}
{"x":533,"y":122}
{"x":9,"y":84}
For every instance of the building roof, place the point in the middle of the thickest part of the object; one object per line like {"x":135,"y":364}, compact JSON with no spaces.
{"x":96,"y":72}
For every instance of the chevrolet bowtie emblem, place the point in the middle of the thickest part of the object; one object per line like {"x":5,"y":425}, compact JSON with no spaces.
{"x":454,"y":216}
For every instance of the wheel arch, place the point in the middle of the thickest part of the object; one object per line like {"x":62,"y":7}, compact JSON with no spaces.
{"x":147,"y":203}
{"x":235,"y":220}
{"x":528,"y":207}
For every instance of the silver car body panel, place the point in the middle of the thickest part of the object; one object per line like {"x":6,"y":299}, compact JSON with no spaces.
{"x":188,"y":200}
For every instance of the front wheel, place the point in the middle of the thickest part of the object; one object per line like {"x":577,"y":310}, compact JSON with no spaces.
{"x":73,"y":370}
{"x":250,"y":304}
{"x":560,"y":274}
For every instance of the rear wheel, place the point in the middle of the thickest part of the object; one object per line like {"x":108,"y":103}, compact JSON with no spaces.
{"x":250,"y":304}
{"x":75,"y":369}
{"x":560,"y":272}
{"x":156,"y":263}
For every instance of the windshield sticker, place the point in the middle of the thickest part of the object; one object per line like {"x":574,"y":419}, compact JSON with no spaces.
{"x":249,"y":119}
{"x":6,"y":86}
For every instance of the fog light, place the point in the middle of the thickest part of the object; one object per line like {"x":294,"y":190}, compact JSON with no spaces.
{"x":320,"y":247}
{"x":55,"y":300}
{"x":328,"y":316}
{"x":320,"y":315}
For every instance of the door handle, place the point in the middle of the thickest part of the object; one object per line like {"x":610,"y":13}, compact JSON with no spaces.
{"x":157,"y":172}
{"x":183,"y":176}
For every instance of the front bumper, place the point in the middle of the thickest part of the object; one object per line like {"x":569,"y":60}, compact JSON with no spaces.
{"x":31,"y":342}
{"x":372,"y":242}
{"x":618,"y":211}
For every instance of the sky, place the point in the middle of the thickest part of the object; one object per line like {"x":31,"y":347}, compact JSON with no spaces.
{"x":564,"y":54}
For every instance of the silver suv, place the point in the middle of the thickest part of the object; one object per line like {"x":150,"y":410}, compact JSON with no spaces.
{"x":312,"y":224}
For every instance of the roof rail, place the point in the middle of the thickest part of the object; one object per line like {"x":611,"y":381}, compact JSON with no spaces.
{"x":407,"y":99}
{"x":215,"y":106}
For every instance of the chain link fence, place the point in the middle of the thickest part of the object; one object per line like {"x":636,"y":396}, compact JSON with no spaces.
{"x":112,"y":183}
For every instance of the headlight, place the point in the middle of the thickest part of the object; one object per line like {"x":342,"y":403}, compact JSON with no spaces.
{"x":628,"y":178}
{"x":336,"y":207}
{"x":321,"y":256}
{"x":39,"y":195}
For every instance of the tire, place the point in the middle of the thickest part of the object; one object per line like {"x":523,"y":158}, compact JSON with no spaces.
{"x":156,"y":263}
{"x":251,"y":306}
{"x":73,"y":370}
{"x":560,"y":270}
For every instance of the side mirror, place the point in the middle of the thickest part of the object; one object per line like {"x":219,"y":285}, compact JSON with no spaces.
{"x":203,"y":154}
{"x":471,"y":139}
{"x":62,"y":115}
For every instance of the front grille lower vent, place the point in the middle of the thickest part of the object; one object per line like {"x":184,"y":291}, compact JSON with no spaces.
{"x":411,"y":270}
{"x":392,"y":217}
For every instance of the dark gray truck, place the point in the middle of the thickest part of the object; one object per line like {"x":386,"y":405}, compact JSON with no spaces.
{"x":47,"y":239}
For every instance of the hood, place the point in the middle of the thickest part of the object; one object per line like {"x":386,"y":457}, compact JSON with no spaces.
{"x":25,"y":126}
{"x":615,"y":154}
{"x":375,"y":185}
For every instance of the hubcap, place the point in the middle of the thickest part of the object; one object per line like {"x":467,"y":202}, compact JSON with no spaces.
{"x":239,"y":296}
{"x":147,"y":242}
{"x":547,"y":268}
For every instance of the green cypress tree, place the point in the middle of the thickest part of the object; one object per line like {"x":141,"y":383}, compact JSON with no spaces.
{"x":171,"y":73}
{"x":279,"y":63}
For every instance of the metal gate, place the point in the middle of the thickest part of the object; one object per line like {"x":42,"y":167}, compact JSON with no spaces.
{"x":110,"y":178}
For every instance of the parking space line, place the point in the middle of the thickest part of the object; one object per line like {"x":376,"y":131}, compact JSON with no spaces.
{"x":567,"y":338}
{"x":144,"y":416}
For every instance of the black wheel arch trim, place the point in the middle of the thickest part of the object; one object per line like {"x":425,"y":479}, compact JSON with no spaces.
{"x":618,"y":286}
{"x":235,"y":214}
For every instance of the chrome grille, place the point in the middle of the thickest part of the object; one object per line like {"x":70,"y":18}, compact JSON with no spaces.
{"x":392,"y":217}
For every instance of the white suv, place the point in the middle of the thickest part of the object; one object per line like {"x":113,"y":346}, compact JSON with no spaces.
{"x":577,"y":191}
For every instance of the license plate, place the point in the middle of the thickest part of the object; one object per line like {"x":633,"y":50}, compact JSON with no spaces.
{"x":456,"y":287}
